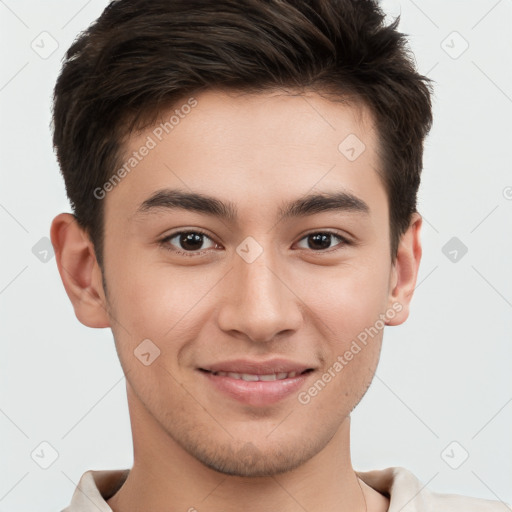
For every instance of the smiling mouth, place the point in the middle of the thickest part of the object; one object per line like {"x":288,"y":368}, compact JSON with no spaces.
{"x":252,"y":377}
{"x":257,"y":386}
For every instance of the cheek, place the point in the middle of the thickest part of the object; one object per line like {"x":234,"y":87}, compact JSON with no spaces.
{"x":348,"y":298}
{"x":167,"y":306}
{"x":155,"y":298}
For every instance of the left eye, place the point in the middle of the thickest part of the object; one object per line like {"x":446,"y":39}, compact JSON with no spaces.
{"x":321,"y":240}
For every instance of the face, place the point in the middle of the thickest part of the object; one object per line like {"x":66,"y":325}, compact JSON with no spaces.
{"x":250,"y":303}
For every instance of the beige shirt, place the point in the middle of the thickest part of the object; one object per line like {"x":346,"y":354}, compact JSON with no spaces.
{"x":405,"y":492}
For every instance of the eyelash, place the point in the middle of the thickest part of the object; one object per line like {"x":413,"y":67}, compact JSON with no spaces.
{"x":165,"y":242}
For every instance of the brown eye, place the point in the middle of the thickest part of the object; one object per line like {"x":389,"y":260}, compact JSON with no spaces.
{"x":188,"y":241}
{"x":321,"y":241}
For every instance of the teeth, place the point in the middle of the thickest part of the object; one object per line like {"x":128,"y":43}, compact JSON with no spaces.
{"x":268,"y":377}
{"x":251,"y":377}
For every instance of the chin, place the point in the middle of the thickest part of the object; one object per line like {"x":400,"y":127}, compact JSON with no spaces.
{"x":246,"y":459}
{"x":249,"y":461}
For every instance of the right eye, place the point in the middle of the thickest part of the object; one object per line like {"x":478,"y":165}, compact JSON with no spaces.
{"x":190,"y":242}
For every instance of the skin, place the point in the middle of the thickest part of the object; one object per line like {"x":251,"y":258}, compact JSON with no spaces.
{"x":193,"y":445}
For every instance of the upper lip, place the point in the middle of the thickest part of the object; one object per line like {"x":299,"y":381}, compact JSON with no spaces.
{"x":257,"y":367}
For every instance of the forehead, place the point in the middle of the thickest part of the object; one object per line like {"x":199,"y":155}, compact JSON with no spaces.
{"x":255,"y":150}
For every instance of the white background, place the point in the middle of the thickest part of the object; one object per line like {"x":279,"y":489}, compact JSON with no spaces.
{"x":443,"y":376}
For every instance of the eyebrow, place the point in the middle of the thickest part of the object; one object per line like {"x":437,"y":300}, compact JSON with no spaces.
{"x":168,"y":199}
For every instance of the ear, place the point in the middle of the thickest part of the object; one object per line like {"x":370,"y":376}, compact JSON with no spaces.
{"x":405,"y":271}
{"x":79,"y":271}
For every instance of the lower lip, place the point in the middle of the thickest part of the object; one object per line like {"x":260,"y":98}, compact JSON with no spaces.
{"x":258,"y":393}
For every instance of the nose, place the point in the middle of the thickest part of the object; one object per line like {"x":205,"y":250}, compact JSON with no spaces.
{"x":259,"y":301}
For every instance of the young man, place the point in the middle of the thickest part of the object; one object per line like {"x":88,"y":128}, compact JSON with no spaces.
{"x":243,"y":176}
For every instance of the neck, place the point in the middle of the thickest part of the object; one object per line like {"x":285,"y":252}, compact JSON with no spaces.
{"x":164,"y":477}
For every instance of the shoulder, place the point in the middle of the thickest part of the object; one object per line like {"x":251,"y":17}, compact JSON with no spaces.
{"x":407,"y":493}
{"x":465,"y":503}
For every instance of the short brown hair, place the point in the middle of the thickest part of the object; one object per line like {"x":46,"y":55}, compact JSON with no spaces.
{"x":141,"y":56}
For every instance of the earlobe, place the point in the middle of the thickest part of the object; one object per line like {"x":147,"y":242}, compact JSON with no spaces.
{"x":405,"y":271}
{"x":79,"y":271}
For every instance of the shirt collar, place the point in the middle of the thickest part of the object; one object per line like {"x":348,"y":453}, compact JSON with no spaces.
{"x":94,"y":488}
{"x":398,"y":484}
